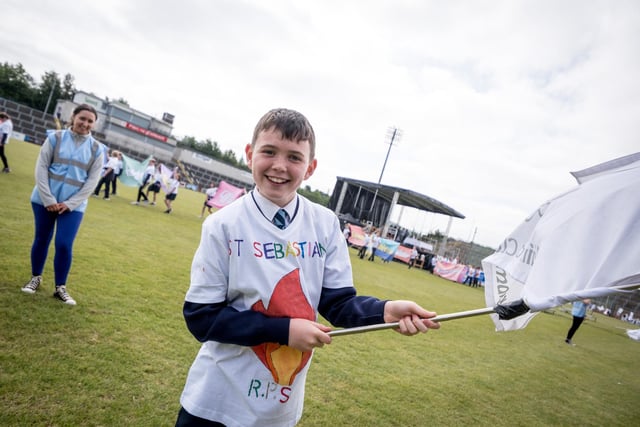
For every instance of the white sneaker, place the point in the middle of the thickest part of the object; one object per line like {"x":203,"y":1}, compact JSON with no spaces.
{"x":32,"y":286}
{"x":135,"y":203}
{"x":62,"y":295}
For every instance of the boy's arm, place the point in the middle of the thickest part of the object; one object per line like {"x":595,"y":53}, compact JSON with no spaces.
{"x":343,"y":308}
{"x":219,"y":322}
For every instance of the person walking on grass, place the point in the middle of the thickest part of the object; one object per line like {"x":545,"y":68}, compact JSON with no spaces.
{"x":6,"y":129}
{"x":210,"y":193}
{"x":67,"y":170}
{"x":146,"y":178}
{"x":172,"y":191}
{"x":578,"y":312}
{"x":373,"y":245}
{"x":157,"y":184}
{"x":108,"y":175}
{"x":413,"y":256}
{"x":266,"y":266}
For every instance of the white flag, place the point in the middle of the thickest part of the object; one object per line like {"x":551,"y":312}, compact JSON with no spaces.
{"x":577,"y":245}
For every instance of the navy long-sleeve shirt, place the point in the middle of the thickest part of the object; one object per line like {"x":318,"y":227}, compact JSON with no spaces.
{"x":219,"y":322}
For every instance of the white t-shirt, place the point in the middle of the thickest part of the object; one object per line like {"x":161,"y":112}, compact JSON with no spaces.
{"x":246,"y":260}
{"x":211,"y":192}
{"x":6,"y":127}
{"x":112,"y":163}
{"x":172,"y":186}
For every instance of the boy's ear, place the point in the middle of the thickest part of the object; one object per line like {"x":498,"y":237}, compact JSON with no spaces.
{"x":311,"y":168}
{"x":248,"y":152}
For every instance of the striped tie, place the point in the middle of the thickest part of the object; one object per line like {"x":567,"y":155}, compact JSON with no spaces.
{"x":281,"y":219}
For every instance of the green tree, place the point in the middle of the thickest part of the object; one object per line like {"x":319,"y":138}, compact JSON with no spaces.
{"x":48,"y":92}
{"x":229,"y":157}
{"x":315,"y":195}
{"x":16,"y":84}
{"x":68,"y":87}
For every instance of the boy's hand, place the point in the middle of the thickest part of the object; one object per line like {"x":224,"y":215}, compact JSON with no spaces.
{"x":305,"y":335}
{"x":411,"y":317}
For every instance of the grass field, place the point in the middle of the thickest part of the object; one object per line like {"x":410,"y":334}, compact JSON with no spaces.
{"x":120,"y":356}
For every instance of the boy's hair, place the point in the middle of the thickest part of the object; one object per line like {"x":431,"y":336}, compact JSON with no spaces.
{"x":4,"y":115}
{"x":291,"y":124}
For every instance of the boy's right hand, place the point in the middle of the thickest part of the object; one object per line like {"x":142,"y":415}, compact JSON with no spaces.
{"x":305,"y":335}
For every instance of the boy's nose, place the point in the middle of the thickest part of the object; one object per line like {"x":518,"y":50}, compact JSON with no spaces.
{"x":279,"y":162}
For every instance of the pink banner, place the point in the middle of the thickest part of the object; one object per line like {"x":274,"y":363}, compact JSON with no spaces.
{"x":226,"y":194}
{"x":403,"y":254}
{"x":451,"y":271}
{"x":357,"y":235}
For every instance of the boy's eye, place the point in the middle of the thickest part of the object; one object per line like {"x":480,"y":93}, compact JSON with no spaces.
{"x":295,"y":158}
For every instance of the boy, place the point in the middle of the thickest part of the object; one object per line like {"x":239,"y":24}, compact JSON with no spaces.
{"x":172,"y":191}
{"x":257,"y":286}
{"x":6,"y":128}
{"x":146,"y":178}
{"x":210,"y":193}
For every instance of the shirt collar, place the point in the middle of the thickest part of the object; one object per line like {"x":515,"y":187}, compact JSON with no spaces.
{"x":269,"y":208}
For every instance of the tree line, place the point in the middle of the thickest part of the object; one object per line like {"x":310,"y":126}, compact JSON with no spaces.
{"x":19,"y":86}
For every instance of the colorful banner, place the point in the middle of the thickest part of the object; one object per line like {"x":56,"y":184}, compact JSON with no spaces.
{"x":403,"y":254}
{"x":226,"y":194}
{"x":357,"y":235}
{"x":386,"y":249}
{"x":133,"y":171}
{"x":451,"y":271}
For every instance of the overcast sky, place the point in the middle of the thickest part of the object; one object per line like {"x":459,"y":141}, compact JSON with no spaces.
{"x":497,"y":101}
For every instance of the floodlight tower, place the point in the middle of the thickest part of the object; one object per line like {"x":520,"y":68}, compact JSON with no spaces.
{"x":393,"y":135}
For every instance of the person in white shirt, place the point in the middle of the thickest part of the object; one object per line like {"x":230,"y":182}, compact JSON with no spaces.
{"x":413,"y":256}
{"x":157,"y":183}
{"x":267,"y":265}
{"x":373,"y":244}
{"x":146,"y":179}
{"x":210,"y":193}
{"x":172,"y":191}
{"x":6,"y":129}
{"x":107,"y":176}
{"x":116,"y":172}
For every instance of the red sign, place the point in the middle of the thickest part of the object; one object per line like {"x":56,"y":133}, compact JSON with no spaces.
{"x":145,"y":132}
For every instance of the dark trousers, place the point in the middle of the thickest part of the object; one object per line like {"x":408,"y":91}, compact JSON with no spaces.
{"x":577,"y":321}
{"x":3,"y":157}
{"x":141,"y":194}
{"x":114,"y":184}
{"x":362,"y":251}
{"x":106,"y":180}
{"x":185,"y":419}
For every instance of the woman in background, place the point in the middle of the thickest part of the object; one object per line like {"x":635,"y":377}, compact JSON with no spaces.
{"x":67,"y":171}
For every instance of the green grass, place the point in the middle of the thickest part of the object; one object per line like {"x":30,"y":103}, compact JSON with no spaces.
{"x":121,"y":356}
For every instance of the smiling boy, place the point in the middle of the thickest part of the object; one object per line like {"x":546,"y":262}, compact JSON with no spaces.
{"x":266,"y":266}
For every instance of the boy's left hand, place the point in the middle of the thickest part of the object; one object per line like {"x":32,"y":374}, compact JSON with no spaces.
{"x":411,"y":318}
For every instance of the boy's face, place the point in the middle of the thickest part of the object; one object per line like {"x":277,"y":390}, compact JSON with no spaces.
{"x":279,"y":165}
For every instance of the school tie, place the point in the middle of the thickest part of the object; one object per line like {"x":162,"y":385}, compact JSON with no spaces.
{"x":281,"y":219}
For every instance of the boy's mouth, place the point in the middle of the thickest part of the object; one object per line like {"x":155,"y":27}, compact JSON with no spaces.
{"x":277,"y":180}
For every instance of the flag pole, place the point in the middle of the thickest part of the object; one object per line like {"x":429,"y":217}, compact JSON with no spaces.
{"x":382,"y":326}
{"x":506,"y":311}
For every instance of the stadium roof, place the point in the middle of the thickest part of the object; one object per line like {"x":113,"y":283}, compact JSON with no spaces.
{"x":406,"y":197}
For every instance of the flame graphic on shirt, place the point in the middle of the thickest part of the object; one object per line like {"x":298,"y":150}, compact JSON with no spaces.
{"x":287,"y":300}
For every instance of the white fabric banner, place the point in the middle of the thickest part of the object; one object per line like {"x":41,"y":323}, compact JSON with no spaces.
{"x":577,"y":245}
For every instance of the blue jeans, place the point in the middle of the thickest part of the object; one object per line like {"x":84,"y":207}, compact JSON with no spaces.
{"x":66,"y":227}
